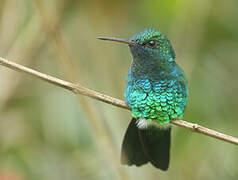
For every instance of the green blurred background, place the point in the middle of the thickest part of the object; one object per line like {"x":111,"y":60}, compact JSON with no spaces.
{"x":47,"y":132}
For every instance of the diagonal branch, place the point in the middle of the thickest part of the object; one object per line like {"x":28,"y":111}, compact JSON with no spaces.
{"x":78,"y":89}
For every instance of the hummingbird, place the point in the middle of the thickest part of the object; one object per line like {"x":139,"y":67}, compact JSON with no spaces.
{"x":157,"y":93}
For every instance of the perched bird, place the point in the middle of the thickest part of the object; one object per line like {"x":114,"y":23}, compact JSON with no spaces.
{"x":156,"y":92}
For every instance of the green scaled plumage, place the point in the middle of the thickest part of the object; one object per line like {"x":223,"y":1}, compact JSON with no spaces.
{"x":156,"y":86}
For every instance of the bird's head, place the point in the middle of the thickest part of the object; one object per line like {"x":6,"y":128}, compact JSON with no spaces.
{"x":152,"y":44}
{"x":149,"y":48}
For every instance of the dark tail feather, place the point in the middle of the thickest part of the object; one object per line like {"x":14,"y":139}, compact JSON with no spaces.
{"x":156,"y":145}
{"x":146,"y":145}
{"x":132,"y":150}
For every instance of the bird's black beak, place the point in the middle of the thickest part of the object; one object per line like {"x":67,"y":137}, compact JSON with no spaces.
{"x":130,"y":43}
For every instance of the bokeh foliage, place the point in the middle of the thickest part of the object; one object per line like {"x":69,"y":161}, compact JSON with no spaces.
{"x":49,"y":133}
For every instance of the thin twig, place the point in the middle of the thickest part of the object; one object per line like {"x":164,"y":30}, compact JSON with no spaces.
{"x":78,"y":89}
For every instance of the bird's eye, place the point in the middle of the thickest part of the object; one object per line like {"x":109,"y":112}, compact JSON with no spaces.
{"x":151,"y":43}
